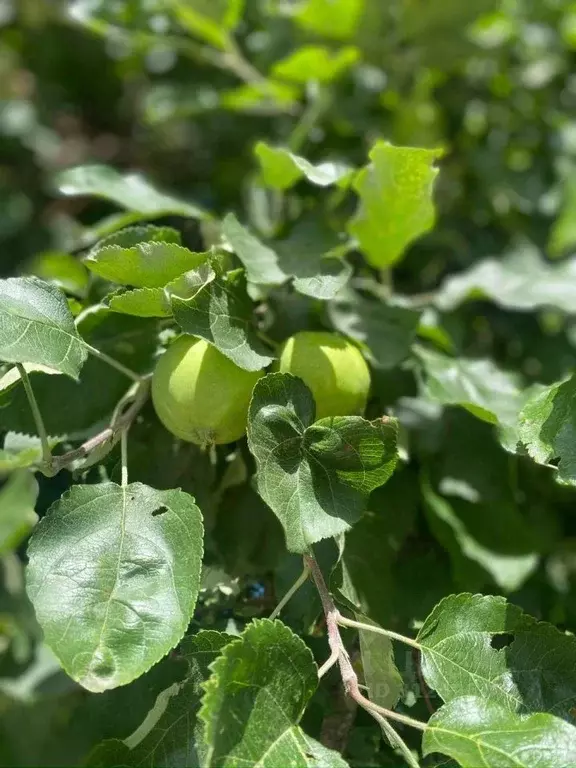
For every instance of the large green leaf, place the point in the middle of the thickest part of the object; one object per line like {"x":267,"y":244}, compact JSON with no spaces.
{"x":387,"y":330}
{"x":281,"y":169}
{"x":17,"y":517}
{"x":130,"y":191}
{"x":144,"y":265}
{"x":476,"y":645}
{"x":395,"y":207}
{"x":521,"y":280}
{"x":172,"y":736}
{"x":221,"y":312}
{"x":114,"y":575}
{"x":304,"y":255}
{"x":548,"y":427}
{"x":476,"y":732}
{"x":254,"y":699}
{"x":316,"y":477}
{"x":36,"y":326}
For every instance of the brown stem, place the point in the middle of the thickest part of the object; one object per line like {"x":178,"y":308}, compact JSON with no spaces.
{"x":111,"y":434}
{"x":347,"y":673}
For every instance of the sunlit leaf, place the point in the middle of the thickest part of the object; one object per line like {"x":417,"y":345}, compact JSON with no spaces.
{"x":17,"y":499}
{"x":36,"y":326}
{"x":114,"y":575}
{"x":315,"y":62}
{"x":395,"y":205}
{"x":281,"y":169}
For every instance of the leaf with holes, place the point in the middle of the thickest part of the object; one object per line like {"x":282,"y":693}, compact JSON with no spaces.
{"x":36,"y":326}
{"x":316,"y":477}
{"x":475,"y":645}
{"x":477,"y":732}
{"x":266,"y":676}
{"x":114,"y":574}
{"x":221,"y":312}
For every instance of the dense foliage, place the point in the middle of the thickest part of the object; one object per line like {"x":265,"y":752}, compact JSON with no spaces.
{"x":287,"y":405}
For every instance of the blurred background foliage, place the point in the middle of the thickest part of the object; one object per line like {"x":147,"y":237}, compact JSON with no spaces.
{"x":182,"y":90}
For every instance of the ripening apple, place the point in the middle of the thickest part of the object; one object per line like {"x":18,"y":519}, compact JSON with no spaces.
{"x":331,"y":367}
{"x":199,"y":394}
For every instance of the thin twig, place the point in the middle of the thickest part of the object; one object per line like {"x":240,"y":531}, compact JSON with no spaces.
{"x":395,"y":740}
{"x":292,"y":591}
{"x":38,"y":420}
{"x":113,"y":363}
{"x":328,"y":664}
{"x":349,"y":677}
{"x":124,"y":456}
{"x":346,"y":622}
{"x":111,"y":434}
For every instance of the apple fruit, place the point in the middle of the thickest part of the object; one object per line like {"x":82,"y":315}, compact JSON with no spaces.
{"x":332,"y":367}
{"x":199,"y":394}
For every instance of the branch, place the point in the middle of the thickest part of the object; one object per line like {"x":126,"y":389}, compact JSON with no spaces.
{"x":302,"y":579}
{"x":120,"y":423}
{"x":347,"y":673}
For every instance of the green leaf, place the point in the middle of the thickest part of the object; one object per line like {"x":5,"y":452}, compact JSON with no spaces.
{"x":17,"y":499}
{"x":221,"y":312}
{"x":532,"y":670}
{"x":281,"y":169}
{"x":211,"y":20}
{"x":315,"y":62}
{"x":307,"y":254}
{"x":145,"y":265}
{"x":316,"y":477}
{"x":563,"y":234}
{"x":521,"y":281}
{"x":477,"y":732}
{"x":19,"y":451}
{"x":381,"y":675}
{"x":479,"y":386}
{"x":114,"y":575}
{"x":548,"y":428}
{"x":387,"y":330}
{"x":396,"y":207}
{"x":266,"y":676}
{"x":509,"y":570}
{"x":36,"y":326}
{"x":260,"y":97}
{"x":62,"y":269}
{"x":172,"y":737}
{"x":321,"y":18}
{"x":142,"y":302}
{"x":141,"y":233}
{"x":130,"y":191}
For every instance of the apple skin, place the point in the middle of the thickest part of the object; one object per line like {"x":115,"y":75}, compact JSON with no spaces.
{"x":333,"y":369}
{"x":199,"y":394}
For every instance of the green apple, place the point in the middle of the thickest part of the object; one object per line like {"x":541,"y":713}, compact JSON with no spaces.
{"x":199,"y":394}
{"x":333,"y":369}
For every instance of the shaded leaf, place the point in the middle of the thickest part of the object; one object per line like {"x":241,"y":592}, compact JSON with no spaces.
{"x":130,"y":191}
{"x":36,"y":326}
{"x":381,"y":674}
{"x":141,"y":233}
{"x":17,"y":516}
{"x":261,"y":262}
{"x":548,"y":427}
{"x":62,"y":269}
{"x":315,"y":476}
{"x":172,"y":735}
{"x":115,"y":590}
{"x":387,"y":330}
{"x":221,"y":311}
{"x":532,"y":671}
{"x":395,"y":207}
{"x":477,"y":732}
{"x":281,"y":169}
{"x":522,"y":281}
{"x":266,"y":676}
